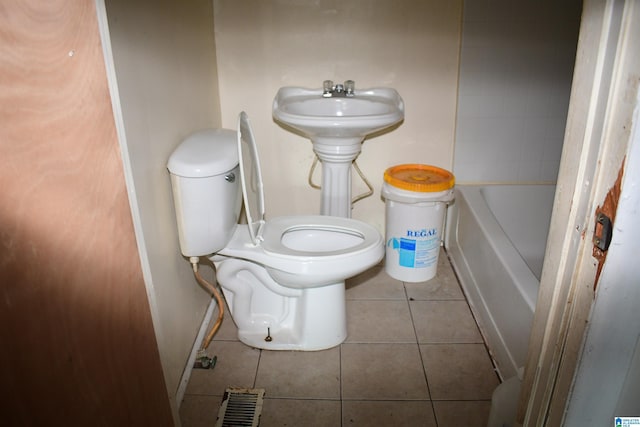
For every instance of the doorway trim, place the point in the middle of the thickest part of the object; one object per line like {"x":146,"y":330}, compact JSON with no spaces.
{"x":592,"y":160}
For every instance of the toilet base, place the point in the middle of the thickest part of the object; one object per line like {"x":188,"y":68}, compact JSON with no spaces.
{"x":270,"y":316}
{"x":320,"y":323}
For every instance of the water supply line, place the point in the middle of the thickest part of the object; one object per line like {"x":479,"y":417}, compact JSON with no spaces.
{"x":201,"y":356}
{"x":313,"y":168}
{"x":366,"y":181}
{"x":356,"y":167}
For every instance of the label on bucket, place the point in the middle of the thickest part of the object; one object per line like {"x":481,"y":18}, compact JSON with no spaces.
{"x":418,"y":252}
{"x":413,"y":232}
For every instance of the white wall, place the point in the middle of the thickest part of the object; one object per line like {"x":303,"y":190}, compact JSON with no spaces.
{"x":410,"y":45}
{"x":516,"y":69}
{"x":164,"y":56}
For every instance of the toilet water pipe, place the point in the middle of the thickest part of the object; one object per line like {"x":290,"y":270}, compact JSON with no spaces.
{"x":213,"y":290}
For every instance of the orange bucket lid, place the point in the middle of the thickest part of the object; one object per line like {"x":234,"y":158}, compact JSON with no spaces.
{"x":419,"y":178}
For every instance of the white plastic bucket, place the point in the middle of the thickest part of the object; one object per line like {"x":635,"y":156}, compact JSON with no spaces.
{"x":416,"y":200}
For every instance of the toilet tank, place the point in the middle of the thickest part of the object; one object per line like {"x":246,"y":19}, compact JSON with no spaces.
{"x":205,"y":178}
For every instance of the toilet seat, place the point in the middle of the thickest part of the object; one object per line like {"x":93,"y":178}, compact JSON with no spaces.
{"x":251,"y":177}
{"x":357,"y":239}
{"x":325,"y":246}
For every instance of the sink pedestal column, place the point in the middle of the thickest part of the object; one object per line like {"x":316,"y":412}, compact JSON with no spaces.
{"x":335,"y":198}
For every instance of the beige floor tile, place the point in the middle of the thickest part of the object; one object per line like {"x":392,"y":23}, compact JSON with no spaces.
{"x":444,"y":322}
{"x":459,"y":371}
{"x":374,"y":284}
{"x":371,"y":321}
{"x":308,"y":413}
{"x":300,"y":374}
{"x":388,"y":413}
{"x":199,"y":411}
{"x":382,"y":371}
{"x":442,"y":287}
{"x":236,"y":365}
{"x":472,"y":413}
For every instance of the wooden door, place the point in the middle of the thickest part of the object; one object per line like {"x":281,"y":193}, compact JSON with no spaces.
{"x":77,"y":345}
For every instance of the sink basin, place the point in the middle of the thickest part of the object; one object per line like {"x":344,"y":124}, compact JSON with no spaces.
{"x":369,"y":111}
{"x":337,"y":126}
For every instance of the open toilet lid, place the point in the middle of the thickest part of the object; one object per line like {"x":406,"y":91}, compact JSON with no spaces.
{"x":251,"y":176}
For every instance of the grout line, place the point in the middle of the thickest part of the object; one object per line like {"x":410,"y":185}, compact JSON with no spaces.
{"x":255,"y":377}
{"x":384,"y":399}
{"x":424,"y":368}
{"x":462,"y":400}
{"x":407,"y":299}
{"x":311,"y":399}
{"x":340,"y":373}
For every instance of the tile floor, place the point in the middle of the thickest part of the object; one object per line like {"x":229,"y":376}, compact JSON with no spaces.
{"x":413,"y":357}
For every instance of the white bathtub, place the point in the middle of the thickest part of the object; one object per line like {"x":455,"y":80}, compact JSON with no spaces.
{"x":496,"y":237}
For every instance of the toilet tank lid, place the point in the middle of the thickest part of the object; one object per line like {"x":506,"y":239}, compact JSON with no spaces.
{"x":205,"y":153}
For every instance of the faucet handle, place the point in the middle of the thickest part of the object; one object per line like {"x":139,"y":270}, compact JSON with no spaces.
{"x":349,"y":87}
{"x":327,"y":88}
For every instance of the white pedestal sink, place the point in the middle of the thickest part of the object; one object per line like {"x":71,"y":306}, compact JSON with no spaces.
{"x":337,"y":126}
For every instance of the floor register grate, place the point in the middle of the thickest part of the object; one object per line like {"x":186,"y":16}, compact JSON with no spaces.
{"x":240,"y":407}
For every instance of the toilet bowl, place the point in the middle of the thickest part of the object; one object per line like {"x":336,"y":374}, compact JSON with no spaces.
{"x":283,"y":278}
{"x":308,"y":251}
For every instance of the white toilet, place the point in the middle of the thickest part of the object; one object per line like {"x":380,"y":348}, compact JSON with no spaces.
{"x":283,"y":278}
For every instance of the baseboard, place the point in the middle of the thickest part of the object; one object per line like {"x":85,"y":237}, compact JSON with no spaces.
{"x":186,"y":374}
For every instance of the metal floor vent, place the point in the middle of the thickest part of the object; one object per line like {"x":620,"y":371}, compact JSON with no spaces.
{"x":240,"y":407}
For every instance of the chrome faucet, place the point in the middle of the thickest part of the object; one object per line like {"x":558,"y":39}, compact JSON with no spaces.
{"x":330,"y":90}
